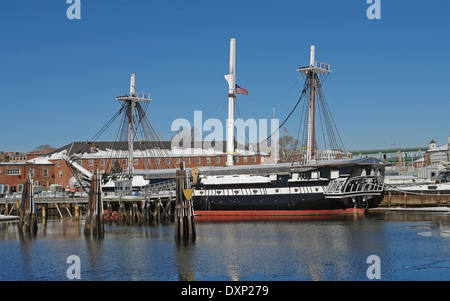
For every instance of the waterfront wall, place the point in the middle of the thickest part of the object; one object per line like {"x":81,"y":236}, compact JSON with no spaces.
{"x":396,"y":199}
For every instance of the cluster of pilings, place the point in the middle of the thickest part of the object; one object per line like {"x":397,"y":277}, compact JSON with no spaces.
{"x":27,"y":209}
{"x":124,"y":212}
{"x":138,"y":212}
{"x":184,"y":209}
{"x":94,"y":215}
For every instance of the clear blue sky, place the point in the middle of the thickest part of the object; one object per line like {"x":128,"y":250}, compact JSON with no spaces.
{"x":59,"y":78}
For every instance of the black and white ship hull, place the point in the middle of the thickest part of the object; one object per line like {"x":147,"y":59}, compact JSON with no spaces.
{"x":330,"y":187}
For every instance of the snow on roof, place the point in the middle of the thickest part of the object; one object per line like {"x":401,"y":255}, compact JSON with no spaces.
{"x":138,"y":181}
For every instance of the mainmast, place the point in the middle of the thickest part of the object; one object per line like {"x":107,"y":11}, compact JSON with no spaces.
{"x":311,"y":72}
{"x":231,"y":79}
{"x":130,"y":102}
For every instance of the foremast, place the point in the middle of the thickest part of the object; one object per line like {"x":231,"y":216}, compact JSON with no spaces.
{"x":130,"y":103}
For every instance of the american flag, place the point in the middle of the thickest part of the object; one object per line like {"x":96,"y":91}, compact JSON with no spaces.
{"x":240,"y":90}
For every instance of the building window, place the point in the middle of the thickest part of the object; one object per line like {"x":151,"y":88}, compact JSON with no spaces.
{"x":60,"y":174}
{"x":79,"y":162}
{"x":45,"y":172}
{"x":124,"y":161}
{"x":254,"y":159}
{"x":13,"y":172}
{"x":20,"y":187}
{"x":217,"y":159}
{"x":188,"y":160}
{"x":58,"y":164}
{"x":136,"y":161}
{"x":208,"y":160}
{"x":91,"y":162}
{"x":198,"y":160}
{"x":31,"y":172}
{"x":102,"y":162}
{"x":236,"y":159}
{"x":245,"y":159}
{"x":167,"y":161}
{"x":178,"y":161}
{"x":157,"y":161}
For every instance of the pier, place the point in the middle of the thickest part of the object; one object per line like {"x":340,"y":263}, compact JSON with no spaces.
{"x":415,"y":199}
{"x":157,"y":207}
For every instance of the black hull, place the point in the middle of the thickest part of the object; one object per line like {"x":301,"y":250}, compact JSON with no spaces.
{"x":288,"y":202}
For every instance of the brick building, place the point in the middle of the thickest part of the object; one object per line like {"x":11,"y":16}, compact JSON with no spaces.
{"x":52,"y":168}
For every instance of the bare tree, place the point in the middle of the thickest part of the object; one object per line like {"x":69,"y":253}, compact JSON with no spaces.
{"x":288,"y":148}
{"x":42,"y":148}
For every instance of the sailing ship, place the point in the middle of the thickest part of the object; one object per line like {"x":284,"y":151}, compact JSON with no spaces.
{"x":337,"y":185}
{"x":322,"y":182}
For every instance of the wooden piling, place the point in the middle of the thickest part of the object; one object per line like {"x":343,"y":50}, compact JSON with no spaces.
{"x":44,"y":213}
{"x":184,"y":217}
{"x":94,"y":217}
{"x":27,"y":211}
{"x":77,"y":212}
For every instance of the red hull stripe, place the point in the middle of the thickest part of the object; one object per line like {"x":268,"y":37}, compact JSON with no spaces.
{"x":277,"y":212}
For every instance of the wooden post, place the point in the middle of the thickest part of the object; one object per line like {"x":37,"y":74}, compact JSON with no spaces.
{"x":27,"y":211}
{"x":145,"y":212}
{"x":77,"y":212}
{"x":87,"y":223}
{"x":184,"y":222}
{"x":122,"y":214}
{"x":44,"y":213}
{"x":60,"y":214}
{"x":119,"y":211}
{"x":94,"y":216}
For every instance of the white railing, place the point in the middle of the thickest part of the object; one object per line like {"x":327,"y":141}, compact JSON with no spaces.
{"x":322,"y":66}
{"x":355,"y":185}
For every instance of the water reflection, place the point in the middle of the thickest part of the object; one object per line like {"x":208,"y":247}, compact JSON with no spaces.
{"x":184,"y":260}
{"x":290,"y":248}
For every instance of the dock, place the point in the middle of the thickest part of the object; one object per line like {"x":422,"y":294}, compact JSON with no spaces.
{"x":419,"y":199}
{"x":67,"y":206}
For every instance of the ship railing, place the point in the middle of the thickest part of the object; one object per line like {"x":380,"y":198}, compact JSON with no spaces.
{"x":361,"y":185}
{"x":162,"y":186}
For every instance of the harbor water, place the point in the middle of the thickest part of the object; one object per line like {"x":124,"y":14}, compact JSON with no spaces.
{"x":406,"y":245}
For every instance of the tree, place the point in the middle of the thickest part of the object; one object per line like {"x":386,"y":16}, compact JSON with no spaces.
{"x":288,"y":148}
{"x":43,"y":148}
{"x":116,"y":168}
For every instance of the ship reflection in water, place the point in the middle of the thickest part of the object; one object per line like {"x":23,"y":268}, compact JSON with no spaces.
{"x":410,"y":245}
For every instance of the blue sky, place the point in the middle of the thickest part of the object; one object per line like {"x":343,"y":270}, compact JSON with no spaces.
{"x":59,"y":77}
